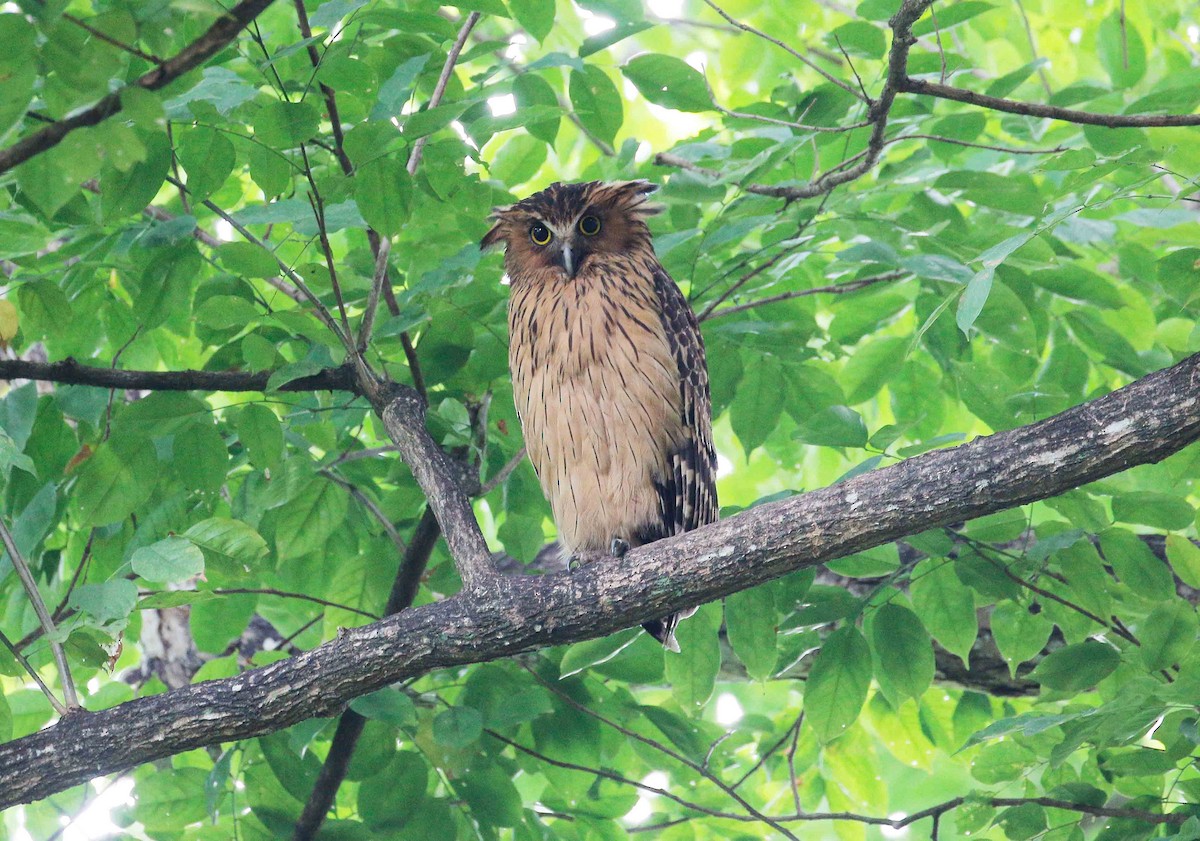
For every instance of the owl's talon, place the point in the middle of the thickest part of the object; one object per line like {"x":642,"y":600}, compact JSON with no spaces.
{"x":618,"y":547}
{"x":574,"y":562}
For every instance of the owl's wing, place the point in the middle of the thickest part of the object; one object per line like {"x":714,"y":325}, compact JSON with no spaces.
{"x":688,"y":496}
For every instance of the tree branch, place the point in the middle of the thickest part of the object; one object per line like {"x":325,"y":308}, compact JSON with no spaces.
{"x":1141,"y":423}
{"x":192,"y":56}
{"x":1050,"y":112}
{"x":70,"y":372}
{"x":877,"y":116}
{"x":442,"y":480}
{"x":350,"y":726}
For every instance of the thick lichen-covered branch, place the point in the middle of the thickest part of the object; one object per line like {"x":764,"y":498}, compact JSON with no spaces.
{"x":1144,"y":422}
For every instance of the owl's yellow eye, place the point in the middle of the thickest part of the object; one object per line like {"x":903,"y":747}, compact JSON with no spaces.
{"x":589,"y":226}
{"x":540,"y":234}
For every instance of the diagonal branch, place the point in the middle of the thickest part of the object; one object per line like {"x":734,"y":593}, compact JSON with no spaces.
{"x":878,"y":112}
{"x":1141,"y":423}
{"x":192,"y":56}
{"x":1050,"y":112}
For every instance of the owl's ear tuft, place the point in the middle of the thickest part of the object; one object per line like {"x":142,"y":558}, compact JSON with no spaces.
{"x":636,"y":196}
{"x":494,"y":237}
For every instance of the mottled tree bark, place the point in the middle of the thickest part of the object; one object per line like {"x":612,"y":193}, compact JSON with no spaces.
{"x":1143,"y":422}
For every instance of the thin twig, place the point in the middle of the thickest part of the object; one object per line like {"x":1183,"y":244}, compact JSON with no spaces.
{"x":268,"y":591}
{"x":439,"y":90}
{"x":32,"y":672}
{"x":702,"y":770}
{"x":503,"y":473}
{"x":762,"y":267}
{"x":369,"y":504}
{"x":108,"y":39}
{"x":322,"y":312}
{"x":1033,"y":50}
{"x":1008,"y":150}
{"x":43,"y":615}
{"x":832,"y":289}
{"x":803,"y":59}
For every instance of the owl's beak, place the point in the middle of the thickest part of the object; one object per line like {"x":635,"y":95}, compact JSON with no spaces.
{"x":568,"y":262}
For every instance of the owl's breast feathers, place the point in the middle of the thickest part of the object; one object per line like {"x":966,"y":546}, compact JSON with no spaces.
{"x":612,"y":388}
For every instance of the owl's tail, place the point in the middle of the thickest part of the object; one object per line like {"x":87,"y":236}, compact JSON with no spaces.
{"x":663,"y":629}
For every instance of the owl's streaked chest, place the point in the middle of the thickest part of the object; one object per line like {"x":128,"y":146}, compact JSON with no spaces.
{"x":597,"y":390}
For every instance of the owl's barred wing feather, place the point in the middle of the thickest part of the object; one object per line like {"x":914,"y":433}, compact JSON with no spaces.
{"x":688,"y":495}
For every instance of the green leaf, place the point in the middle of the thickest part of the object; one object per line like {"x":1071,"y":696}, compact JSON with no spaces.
{"x":397,"y":90}
{"x":285,"y":125}
{"x":1168,"y":635}
{"x":261,"y":434}
{"x":457,"y":727}
{"x":383,"y":192}
{"x":388,"y":800}
{"x":692,"y":672}
{"x":750,"y":624}
{"x":858,"y":38}
{"x":1184,"y":556}
{"x":308,"y":519}
{"x":388,"y":705}
{"x":164,"y":287}
{"x":536,"y":16}
{"x":208,"y":158}
{"x":493,"y":798}
{"x":108,"y":602}
{"x":836,"y":426}
{"x":945,"y":605}
{"x":1019,"y":634}
{"x":532,"y":91}
{"x":1136,"y":566}
{"x":1149,"y":508}
{"x":248,"y":260}
{"x":200,"y":457}
{"x":903,"y":649}
{"x":871,"y":367}
{"x":166,"y":801}
{"x":1075,"y":668}
{"x":1121,"y":51}
{"x":837,"y":683}
{"x":755,"y":412}
{"x":668,"y":81}
{"x":113,"y":482}
{"x":596,"y":101}
{"x":170,"y":559}
{"x":582,"y":655}
{"x":231,"y":547}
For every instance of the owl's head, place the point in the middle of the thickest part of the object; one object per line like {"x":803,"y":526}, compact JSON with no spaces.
{"x":565,"y":225}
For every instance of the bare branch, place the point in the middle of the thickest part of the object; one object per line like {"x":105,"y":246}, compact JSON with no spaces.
{"x":1141,"y":423}
{"x":43,"y":615}
{"x":832,"y":289}
{"x":33,"y":673}
{"x":801,"y":57}
{"x":442,"y":480}
{"x":439,"y":90}
{"x":192,"y":56}
{"x":71,"y":372}
{"x":1049,"y":112}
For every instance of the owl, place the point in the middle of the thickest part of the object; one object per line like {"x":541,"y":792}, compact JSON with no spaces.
{"x":608,"y":370}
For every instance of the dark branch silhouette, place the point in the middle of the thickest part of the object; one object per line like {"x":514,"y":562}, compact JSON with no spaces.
{"x":192,"y":56}
{"x":70,"y":372}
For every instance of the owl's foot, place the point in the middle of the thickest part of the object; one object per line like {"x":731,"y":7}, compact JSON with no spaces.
{"x":618,"y":547}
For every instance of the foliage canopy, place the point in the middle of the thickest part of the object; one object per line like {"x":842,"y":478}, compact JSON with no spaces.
{"x":883,"y":264}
